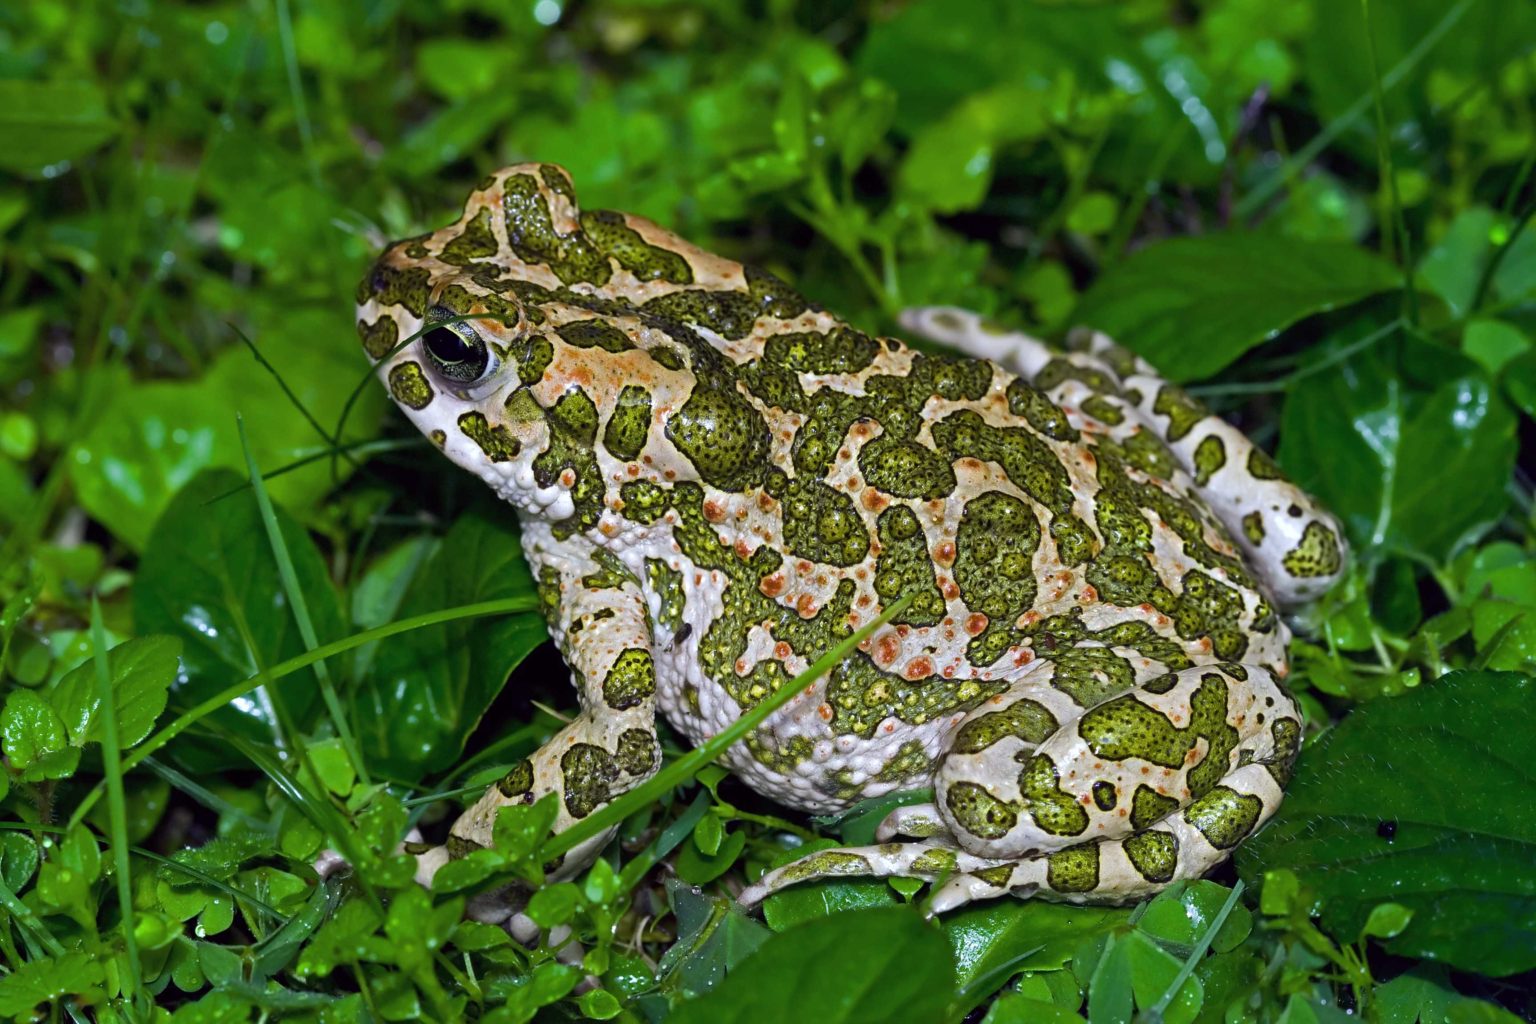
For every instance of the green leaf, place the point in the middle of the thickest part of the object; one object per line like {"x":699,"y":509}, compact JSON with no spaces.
{"x":1179,"y":915}
{"x":868,"y":965}
{"x":42,"y":981}
{"x":1011,"y":1008}
{"x":44,"y":123}
{"x":1152,"y":970}
{"x":141,"y":671}
{"x":1409,"y":800}
{"x":35,"y":739}
{"x":207,"y":577}
{"x":1193,"y":305}
{"x":426,"y":691}
{"x":1407,"y":442}
{"x":992,"y":942}
{"x":155,"y":436}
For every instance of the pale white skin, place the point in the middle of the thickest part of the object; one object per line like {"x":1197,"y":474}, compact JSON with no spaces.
{"x":1166,"y":734}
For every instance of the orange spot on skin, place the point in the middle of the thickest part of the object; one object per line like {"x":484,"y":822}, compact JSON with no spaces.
{"x":1024,"y":657}
{"x":919,"y":668}
{"x":633,"y":469}
{"x":825,"y":711}
{"x":1084,"y":800}
{"x":944,"y":554}
{"x":567,"y":478}
{"x":713,"y":512}
{"x":951,"y":592}
{"x":1089,"y":595}
{"x":805,"y":604}
{"x":886,"y":649}
{"x":743,"y":550}
{"x":949,"y":672}
{"x":1121,"y":812}
{"x":873,"y":500}
{"x":975,"y":624}
{"x":781,"y":650}
{"x":771,"y":586}
{"x":741,"y":666}
{"x":765,"y":501}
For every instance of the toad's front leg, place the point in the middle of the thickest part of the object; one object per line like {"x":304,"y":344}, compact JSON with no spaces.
{"x":597,"y":615}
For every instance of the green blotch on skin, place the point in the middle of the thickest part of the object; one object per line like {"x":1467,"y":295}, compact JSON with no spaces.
{"x":1055,"y":812}
{"x":1154,"y":855}
{"x":409,"y":385}
{"x":638,"y":753}
{"x":667,"y":356}
{"x":611,"y":574}
{"x":994,"y":568}
{"x":1075,"y":869}
{"x":517,"y":781}
{"x":388,"y":286}
{"x":724,"y":437}
{"x":909,"y":762}
{"x":460,"y":847}
{"x":1210,"y":456}
{"x":1208,"y":607}
{"x":1182,"y":411}
{"x":1225,"y":816}
{"x":1103,"y":410}
{"x":476,"y":241}
{"x":996,"y":877}
{"x":731,"y":314}
{"x":535,"y":359}
{"x":588,"y":773}
{"x":496,"y":442}
{"x":667,"y":584}
{"x":631,"y":680}
{"x":1090,"y":675}
{"x":979,"y":812}
{"x":841,"y":350}
{"x":1027,"y":719}
{"x":643,"y":502}
{"x":611,"y":233}
{"x":1060,"y":370}
{"x":1042,"y":413}
{"x":904,"y":567}
{"x":906,"y":469}
{"x":822,"y":865}
{"x":555,"y":179}
{"x":1146,"y":451}
{"x":1262,"y":467}
{"x":380,"y":336}
{"x":630,"y":423}
{"x":821,"y":524}
{"x":531,"y":233}
{"x":1104,"y":796}
{"x":548,"y":588}
{"x":934,"y":863}
{"x":1317,"y":554}
{"x":572,"y":431}
{"x":1286,"y":733}
{"x":1253,"y":527}
{"x":1148,"y":806}
{"x":863,"y":695}
{"x":1124,"y":728}
{"x":595,"y":334}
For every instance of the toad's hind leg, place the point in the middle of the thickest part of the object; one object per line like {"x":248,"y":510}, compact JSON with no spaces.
{"x":598,"y":616}
{"x":978,"y":337}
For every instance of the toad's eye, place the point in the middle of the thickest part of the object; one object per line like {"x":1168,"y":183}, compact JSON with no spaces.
{"x":457,"y":352}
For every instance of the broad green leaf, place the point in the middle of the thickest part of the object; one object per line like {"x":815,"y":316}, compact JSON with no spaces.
{"x":993,"y":941}
{"x":1414,"y":800}
{"x":1407,"y":442}
{"x":1180,"y":915}
{"x":1468,"y":44}
{"x":209,"y":578}
{"x":141,"y":671}
{"x":1017,"y":1009}
{"x":155,"y":436}
{"x":1193,"y":305}
{"x":34,"y":737}
{"x":45,"y":123}
{"x":425,"y":691}
{"x":713,"y":937}
{"x":1153,"y":969}
{"x":950,"y":164}
{"x":868,"y":965}
{"x":42,"y":981}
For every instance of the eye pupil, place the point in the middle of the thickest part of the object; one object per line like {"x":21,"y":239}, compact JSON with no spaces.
{"x":455,"y":356}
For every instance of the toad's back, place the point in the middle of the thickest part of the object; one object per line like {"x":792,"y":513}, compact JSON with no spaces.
{"x":719,"y":480}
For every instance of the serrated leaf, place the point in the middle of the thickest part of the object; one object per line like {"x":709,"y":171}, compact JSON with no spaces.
{"x":42,"y":981}
{"x":1414,"y":800}
{"x":1193,"y":305}
{"x":141,"y":671}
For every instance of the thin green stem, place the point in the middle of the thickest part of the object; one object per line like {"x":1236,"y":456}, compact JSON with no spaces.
{"x":202,"y":710}
{"x":117,"y":807}
{"x":685,"y":767}
{"x":300,"y":605}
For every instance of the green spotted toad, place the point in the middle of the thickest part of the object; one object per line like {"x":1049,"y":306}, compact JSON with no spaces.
{"x":717,"y":480}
